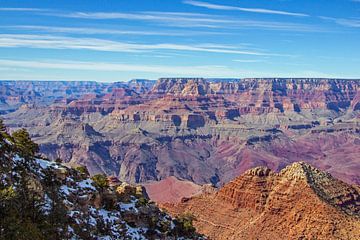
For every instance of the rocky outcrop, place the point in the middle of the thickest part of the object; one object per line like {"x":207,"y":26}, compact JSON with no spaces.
{"x":299,"y":202}
{"x":65,"y":203}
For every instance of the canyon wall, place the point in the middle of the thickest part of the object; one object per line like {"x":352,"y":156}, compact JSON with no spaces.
{"x":202,"y":130}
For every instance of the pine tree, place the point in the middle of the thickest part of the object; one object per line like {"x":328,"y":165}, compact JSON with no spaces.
{"x":26,"y":147}
{"x":56,"y":219}
{"x":3,"y":133}
{"x":2,"y":126}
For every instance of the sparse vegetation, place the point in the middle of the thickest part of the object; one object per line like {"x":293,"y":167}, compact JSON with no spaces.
{"x":21,"y":213}
{"x":83,"y":170}
{"x":100,"y":181}
{"x":35,"y":196}
{"x":142,"y":202}
{"x":184,"y":225}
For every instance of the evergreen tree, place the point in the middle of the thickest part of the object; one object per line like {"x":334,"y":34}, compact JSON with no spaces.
{"x":20,"y":203}
{"x":26,"y":147}
{"x":3,"y":130}
{"x":2,"y":126}
{"x":56,"y":210}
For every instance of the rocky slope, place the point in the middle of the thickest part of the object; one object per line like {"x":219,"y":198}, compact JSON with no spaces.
{"x":204,"y":131}
{"x":173,"y":190}
{"x":300,"y":202}
{"x":40,"y":199}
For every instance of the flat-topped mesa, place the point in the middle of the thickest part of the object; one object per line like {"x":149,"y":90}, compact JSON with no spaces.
{"x":269,"y":94}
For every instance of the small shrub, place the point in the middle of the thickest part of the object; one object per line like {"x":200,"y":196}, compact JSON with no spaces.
{"x":184,"y":225}
{"x":142,"y":202}
{"x":58,"y":160}
{"x":100,"y":181}
{"x":83,"y":170}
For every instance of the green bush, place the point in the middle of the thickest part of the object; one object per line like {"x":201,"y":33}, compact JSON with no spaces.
{"x":100,"y":181}
{"x":184,"y":225}
{"x":83,"y":170}
{"x":142,"y":202}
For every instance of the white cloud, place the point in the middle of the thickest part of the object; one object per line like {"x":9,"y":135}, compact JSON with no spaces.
{"x":233,"y":8}
{"x":147,"y":16}
{"x":248,"y":60}
{"x":347,"y":22}
{"x":145,"y":70}
{"x":211,"y":70}
{"x":22,"y":9}
{"x":189,"y":20}
{"x":94,"y":31}
{"x":184,"y":19}
{"x":55,"y":42}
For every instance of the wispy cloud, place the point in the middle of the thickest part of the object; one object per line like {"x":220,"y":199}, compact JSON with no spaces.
{"x":248,"y":60}
{"x":234,"y":8}
{"x":159,"y":70}
{"x":96,"y":31}
{"x":187,"y":19}
{"x":23,"y":10}
{"x":249,"y":24}
{"x":193,"y":20}
{"x":95,"y":44}
{"x":147,"y":16}
{"x":347,"y":22}
{"x":206,"y":70}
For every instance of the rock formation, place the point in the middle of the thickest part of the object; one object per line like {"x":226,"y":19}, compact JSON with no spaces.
{"x":300,"y":202}
{"x":201,"y":130}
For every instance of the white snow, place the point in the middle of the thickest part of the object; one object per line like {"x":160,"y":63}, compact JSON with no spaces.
{"x":66,"y":190}
{"x":128,"y":206}
{"x":47,"y":204}
{"x":108,"y":216}
{"x":44,"y":164}
{"x":87,"y":184}
{"x":135,"y":233}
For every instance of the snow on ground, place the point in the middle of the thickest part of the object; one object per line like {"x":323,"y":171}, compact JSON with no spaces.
{"x":88,"y":184}
{"x":47,"y":204}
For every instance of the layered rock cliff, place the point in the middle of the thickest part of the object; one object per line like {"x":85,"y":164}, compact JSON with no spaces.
{"x":205,"y":131}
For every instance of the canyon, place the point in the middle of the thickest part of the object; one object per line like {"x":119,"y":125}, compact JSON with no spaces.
{"x":206,"y":131}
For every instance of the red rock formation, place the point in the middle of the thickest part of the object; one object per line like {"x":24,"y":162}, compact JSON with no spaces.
{"x":206,"y":131}
{"x":300,"y":202}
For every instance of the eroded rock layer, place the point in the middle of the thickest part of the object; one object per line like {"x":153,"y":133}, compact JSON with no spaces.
{"x":300,"y":202}
{"x":201,"y":130}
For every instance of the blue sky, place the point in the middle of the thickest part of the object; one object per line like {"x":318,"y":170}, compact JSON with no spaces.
{"x":117,"y":40}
